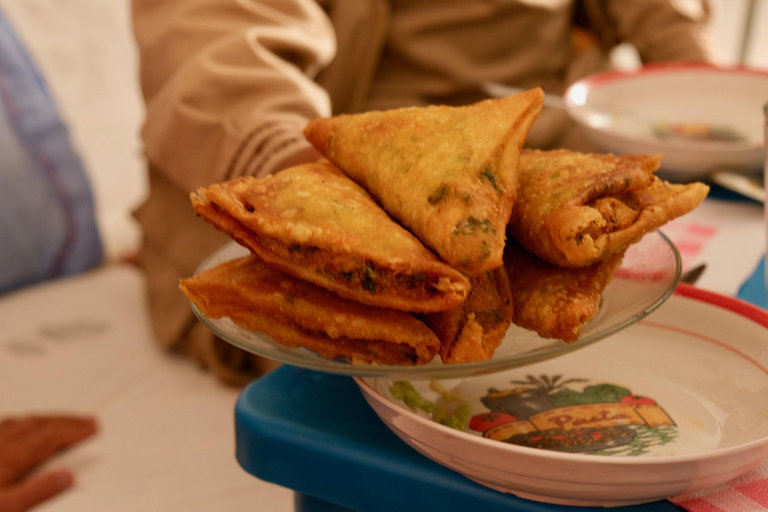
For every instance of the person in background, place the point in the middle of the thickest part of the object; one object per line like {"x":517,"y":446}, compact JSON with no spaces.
{"x":230,"y":84}
{"x":48,"y":231}
{"x":29,"y":441}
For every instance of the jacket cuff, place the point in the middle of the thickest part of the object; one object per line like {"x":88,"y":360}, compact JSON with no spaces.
{"x":269,"y":144}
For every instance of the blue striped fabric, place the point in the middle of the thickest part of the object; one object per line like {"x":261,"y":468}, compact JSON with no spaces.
{"x":47,"y":219}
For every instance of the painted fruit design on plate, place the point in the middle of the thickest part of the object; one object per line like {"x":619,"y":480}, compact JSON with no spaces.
{"x":552,"y":413}
{"x":546,"y":412}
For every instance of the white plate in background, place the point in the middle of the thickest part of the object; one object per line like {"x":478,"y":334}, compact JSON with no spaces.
{"x":620,"y":111}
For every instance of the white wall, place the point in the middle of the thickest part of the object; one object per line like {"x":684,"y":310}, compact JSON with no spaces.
{"x":732,"y":27}
{"x":741,"y":43}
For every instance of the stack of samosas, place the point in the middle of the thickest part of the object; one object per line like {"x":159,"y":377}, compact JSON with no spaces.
{"x":427,"y":232}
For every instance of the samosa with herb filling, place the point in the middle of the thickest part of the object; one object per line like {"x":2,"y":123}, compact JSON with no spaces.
{"x":296,"y":313}
{"x":554,"y":301}
{"x":574,"y":209}
{"x":448,"y":174}
{"x":313,"y":222}
{"x":473,"y":330}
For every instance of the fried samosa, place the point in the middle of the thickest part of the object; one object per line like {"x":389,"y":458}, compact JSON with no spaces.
{"x":296,"y":313}
{"x":574,"y":209}
{"x":553,"y":301}
{"x":313,"y":222}
{"x":448,"y":174}
{"x":473,"y":330}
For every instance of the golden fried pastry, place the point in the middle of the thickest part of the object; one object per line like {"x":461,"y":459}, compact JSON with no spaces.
{"x":573,"y":209}
{"x":473,"y":330}
{"x":554,"y":301}
{"x":313,"y":222}
{"x":296,"y":313}
{"x":448,"y":174}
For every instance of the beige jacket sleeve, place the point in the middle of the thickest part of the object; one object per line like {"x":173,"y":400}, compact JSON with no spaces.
{"x":228,"y":84}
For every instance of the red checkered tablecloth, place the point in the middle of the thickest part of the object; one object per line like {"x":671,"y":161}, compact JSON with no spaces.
{"x":748,"y":493}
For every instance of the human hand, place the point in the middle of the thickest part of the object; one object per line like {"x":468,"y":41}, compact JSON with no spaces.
{"x":27,"y":442}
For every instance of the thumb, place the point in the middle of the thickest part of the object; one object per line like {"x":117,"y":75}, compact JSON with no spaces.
{"x":33,"y":490}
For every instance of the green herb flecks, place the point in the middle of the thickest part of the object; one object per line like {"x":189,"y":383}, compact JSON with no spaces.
{"x":438,"y":195}
{"x":369,"y":278}
{"x":488,"y":175}
{"x":491,"y":316}
{"x":302,"y":249}
{"x":417,"y":280}
{"x":485,"y":250}
{"x":412,"y":281}
{"x":472,"y":225}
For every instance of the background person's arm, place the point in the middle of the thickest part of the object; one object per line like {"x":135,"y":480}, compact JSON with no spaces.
{"x":228,"y":84}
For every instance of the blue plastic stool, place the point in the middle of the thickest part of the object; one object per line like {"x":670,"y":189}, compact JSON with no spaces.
{"x":314,"y":433}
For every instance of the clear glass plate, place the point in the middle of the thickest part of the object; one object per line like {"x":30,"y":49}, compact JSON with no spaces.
{"x":647,"y":277}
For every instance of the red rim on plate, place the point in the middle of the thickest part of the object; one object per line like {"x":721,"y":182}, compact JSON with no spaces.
{"x":738,"y":306}
{"x":666,"y":68}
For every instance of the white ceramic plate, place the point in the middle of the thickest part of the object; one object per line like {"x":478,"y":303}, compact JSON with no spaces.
{"x":648,"y":275}
{"x":619,"y":112}
{"x":676,"y":403}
